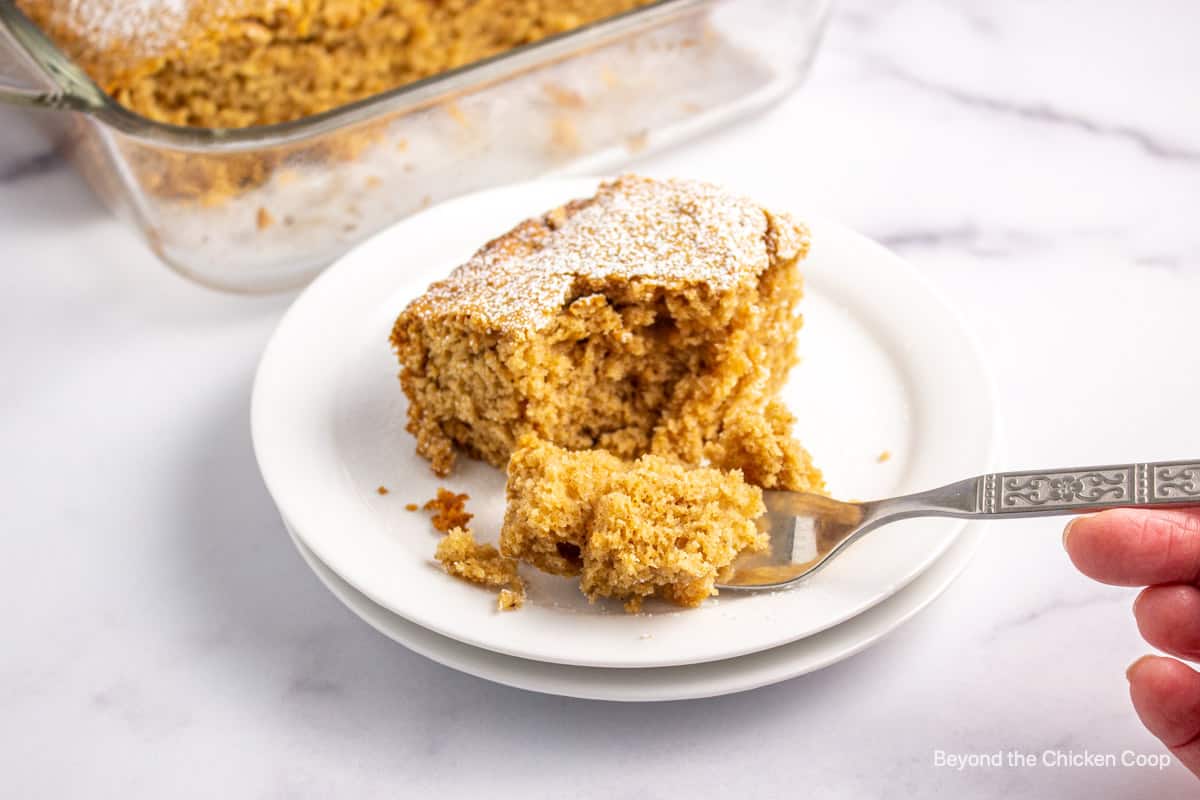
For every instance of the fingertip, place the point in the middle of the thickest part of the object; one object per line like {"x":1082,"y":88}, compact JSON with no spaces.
{"x":1166,"y":696}
{"x":1067,"y":533}
{"x":1167,"y":617}
{"x":1087,"y":541}
{"x":1136,"y":547}
{"x":1133,"y":668}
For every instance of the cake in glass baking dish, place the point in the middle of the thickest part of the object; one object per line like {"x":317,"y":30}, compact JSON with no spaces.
{"x":658,"y":316}
{"x":236,"y":63}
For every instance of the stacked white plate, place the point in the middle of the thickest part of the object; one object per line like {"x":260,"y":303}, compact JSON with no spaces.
{"x":891,"y":396}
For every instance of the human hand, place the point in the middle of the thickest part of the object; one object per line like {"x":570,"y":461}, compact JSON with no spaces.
{"x":1158,"y":549}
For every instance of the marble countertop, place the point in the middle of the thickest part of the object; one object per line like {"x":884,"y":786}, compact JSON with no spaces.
{"x":1040,"y":162}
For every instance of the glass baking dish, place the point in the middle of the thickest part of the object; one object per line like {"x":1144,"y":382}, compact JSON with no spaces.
{"x":265,"y":208}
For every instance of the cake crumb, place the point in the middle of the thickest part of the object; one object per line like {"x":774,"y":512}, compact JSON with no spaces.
{"x":463,"y":557}
{"x":886,"y":455}
{"x":563,"y":97}
{"x":466,"y":558}
{"x":636,"y":142}
{"x":411,"y":507}
{"x":449,"y":510}
{"x":382,"y":490}
{"x":454,"y":110}
{"x":564,"y":135}
{"x":509,"y":600}
{"x":263,"y":219}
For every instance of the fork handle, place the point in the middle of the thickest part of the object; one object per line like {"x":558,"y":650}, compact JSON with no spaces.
{"x":1064,"y":491}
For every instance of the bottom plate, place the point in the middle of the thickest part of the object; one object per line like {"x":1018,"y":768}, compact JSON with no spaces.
{"x":708,"y":679}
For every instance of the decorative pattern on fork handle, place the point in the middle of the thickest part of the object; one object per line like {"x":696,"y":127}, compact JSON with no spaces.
{"x":1140,"y":484}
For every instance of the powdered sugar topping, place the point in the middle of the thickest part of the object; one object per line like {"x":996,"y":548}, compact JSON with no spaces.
{"x":144,"y":24}
{"x":676,"y":233}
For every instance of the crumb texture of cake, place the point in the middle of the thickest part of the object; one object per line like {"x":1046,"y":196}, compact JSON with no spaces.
{"x":762,"y":447}
{"x":463,"y":557}
{"x":629,"y":530}
{"x":235,"y":63}
{"x":646,"y":319}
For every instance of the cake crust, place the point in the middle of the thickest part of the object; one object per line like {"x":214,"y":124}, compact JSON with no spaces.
{"x":672,"y":236}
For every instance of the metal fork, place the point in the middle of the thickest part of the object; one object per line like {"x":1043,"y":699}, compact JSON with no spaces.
{"x":808,"y":531}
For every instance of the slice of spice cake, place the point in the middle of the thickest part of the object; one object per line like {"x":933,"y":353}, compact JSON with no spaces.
{"x":655,"y":317}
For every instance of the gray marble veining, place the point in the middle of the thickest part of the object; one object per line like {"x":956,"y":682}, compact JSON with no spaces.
{"x":1047,"y":114}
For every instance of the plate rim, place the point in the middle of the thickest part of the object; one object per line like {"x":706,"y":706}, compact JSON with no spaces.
{"x":343,"y":270}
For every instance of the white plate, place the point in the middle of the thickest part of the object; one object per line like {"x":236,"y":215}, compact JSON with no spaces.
{"x":887,"y":366}
{"x":664,"y":683}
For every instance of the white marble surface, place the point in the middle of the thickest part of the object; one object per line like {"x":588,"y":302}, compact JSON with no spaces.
{"x":162,"y":639}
